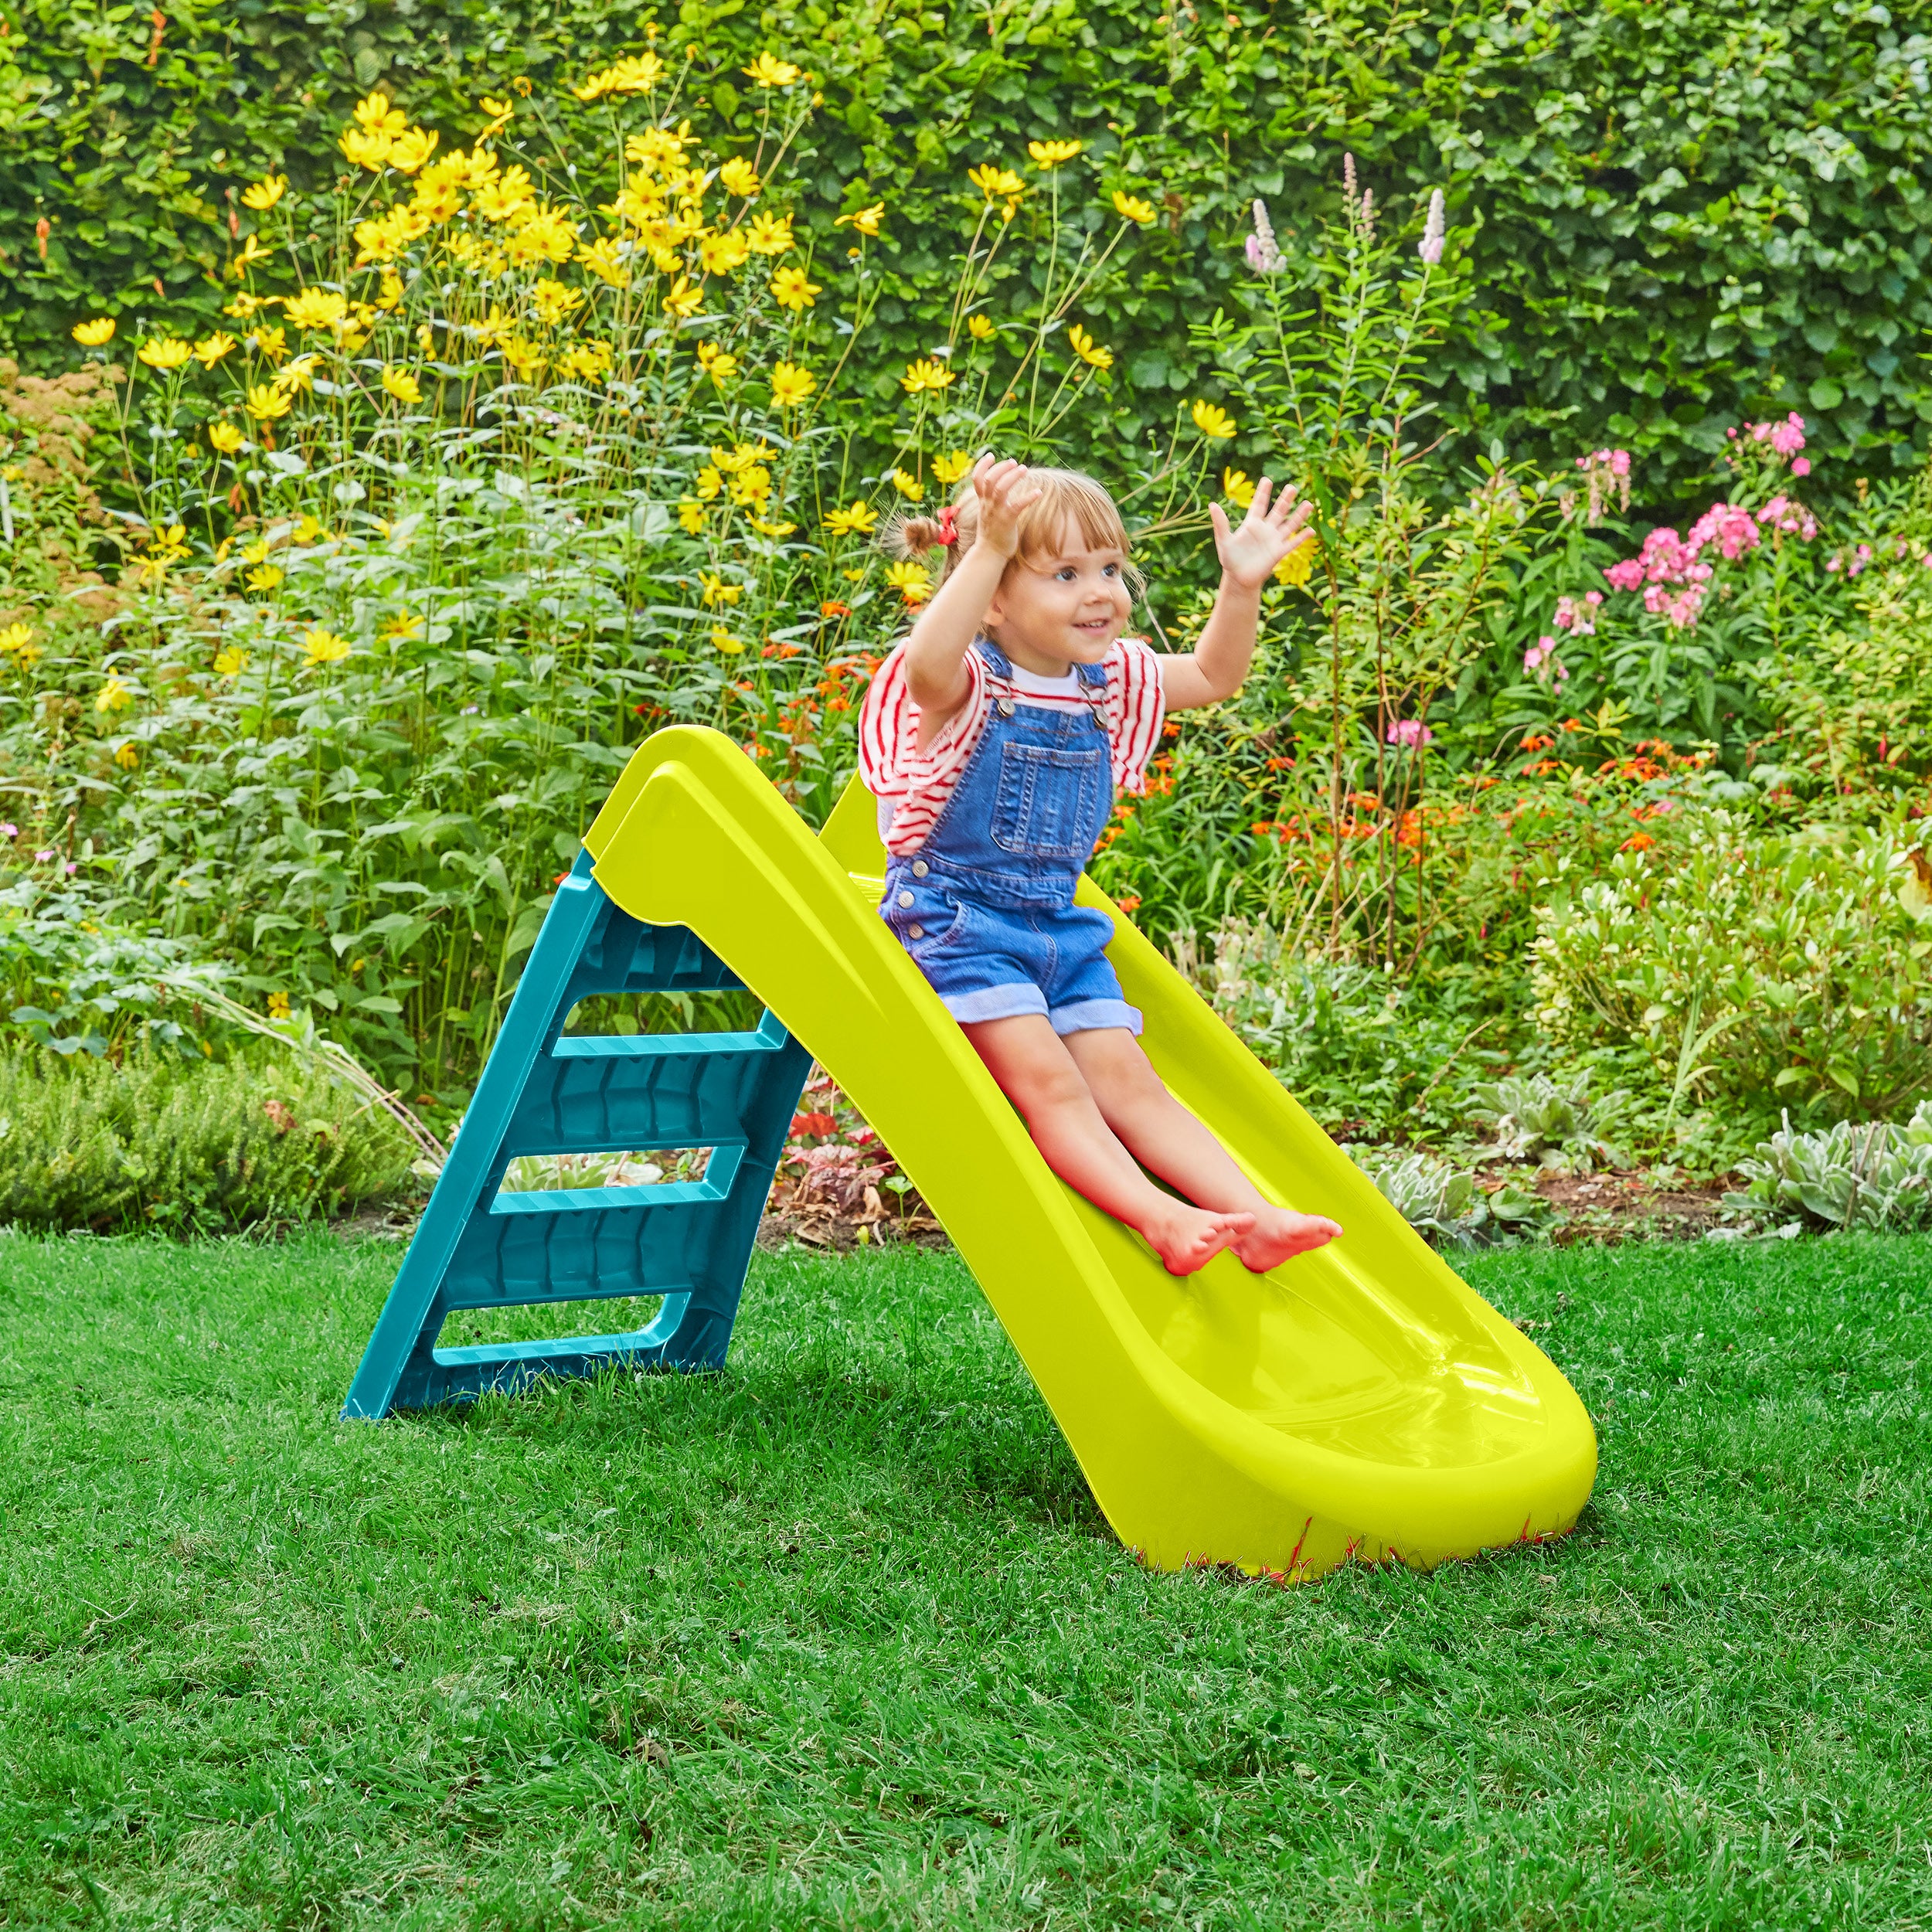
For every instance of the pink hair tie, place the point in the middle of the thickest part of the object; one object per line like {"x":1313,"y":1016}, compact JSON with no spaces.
{"x":949,"y":527}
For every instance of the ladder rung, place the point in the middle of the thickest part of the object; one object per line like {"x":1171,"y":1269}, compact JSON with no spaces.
{"x":720,"y":1171}
{"x":637,"y":1046}
{"x":504,"y":1353}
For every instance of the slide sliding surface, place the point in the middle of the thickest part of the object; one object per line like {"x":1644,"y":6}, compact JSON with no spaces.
{"x":1361,"y":1400}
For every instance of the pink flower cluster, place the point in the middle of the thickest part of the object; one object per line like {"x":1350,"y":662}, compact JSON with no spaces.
{"x":1788,"y":519}
{"x":1411,"y":732}
{"x":1670,"y":569}
{"x":1606,"y":475}
{"x":1616,"y":461}
{"x":1578,"y":613}
{"x":1665,"y":558}
{"x":1729,"y":525}
{"x":1787,"y":438}
{"x":1852,"y":563}
{"x":1669,"y":574}
{"x":1543,"y":653}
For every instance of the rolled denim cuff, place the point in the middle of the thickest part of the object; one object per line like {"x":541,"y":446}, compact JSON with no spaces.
{"x":1090,"y":1015}
{"x":997,"y":1002}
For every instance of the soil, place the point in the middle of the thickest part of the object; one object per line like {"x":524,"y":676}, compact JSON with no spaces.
{"x":795,"y":1213}
{"x":1629,"y":1206}
{"x":835,"y":1208}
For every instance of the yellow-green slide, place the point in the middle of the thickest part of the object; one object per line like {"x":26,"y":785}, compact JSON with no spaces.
{"x":1360,"y":1401}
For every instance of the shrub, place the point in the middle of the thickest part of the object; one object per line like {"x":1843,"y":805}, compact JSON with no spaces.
{"x":1760,"y":970}
{"x":1444,"y":1204}
{"x":1371,"y":1057}
{"x":1556,"y":1124}
{"x":75,"y":984}
{"x":195,"y":1145}
{"x":1873,"y":1175}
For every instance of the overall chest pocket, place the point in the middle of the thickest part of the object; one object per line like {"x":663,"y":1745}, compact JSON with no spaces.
{"x":1051,"y":804}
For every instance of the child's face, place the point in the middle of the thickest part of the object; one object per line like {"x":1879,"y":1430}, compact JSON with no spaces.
{"x":1061,"y":606}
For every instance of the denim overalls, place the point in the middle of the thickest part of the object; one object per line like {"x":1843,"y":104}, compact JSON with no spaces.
{"x":985,"y":906}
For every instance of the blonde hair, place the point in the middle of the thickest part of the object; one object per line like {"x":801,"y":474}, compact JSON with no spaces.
{"x":1065,"y":496}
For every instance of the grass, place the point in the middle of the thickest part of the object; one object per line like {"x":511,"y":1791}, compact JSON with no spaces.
{"x":839,"y":1639}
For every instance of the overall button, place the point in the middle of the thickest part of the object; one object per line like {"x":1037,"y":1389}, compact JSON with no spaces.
{"x":915,"y":932}
{"x":920,"y":869}
{"x":905,"y":899}
{"x":1006,"y":707}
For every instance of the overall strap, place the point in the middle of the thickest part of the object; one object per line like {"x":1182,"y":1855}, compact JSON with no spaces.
{"x":994,"y":659}
{"x":1093,"y":685}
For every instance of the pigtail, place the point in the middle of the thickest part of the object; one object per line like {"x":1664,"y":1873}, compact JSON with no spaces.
{"x":915,"y":537}
{"x":924,"y":538}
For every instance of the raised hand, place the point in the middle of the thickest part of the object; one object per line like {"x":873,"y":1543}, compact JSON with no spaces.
{"x":1265,"y":537}
{"x":1004,"y":489}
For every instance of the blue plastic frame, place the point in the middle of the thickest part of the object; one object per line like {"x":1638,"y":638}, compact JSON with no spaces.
{"x":542,"y":1093}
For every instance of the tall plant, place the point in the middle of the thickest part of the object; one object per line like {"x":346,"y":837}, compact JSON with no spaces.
{"x":1337,"y":327}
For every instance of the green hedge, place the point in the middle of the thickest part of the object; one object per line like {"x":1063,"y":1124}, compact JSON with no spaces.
{"x":1685,"y":214}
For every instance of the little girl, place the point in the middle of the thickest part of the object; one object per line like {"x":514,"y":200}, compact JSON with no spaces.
{"x":994,"y":738}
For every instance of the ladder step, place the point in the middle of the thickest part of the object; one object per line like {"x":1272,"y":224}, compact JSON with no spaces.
{"x":637,"y":1046}
{"x":720,"y":1171}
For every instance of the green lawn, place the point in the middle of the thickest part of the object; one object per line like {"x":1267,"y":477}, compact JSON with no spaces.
{"x":839,"y":1639}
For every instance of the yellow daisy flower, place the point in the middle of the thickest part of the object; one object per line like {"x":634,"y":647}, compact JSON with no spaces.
{"x":263,"y":194}
{"x":768,"y":71}
{"x":1089,"y":351}
{"x":321,"y":647}
{"x":1048,"y":155}
{"x":1213,"y":422}
{"x":1131,"y":208}
{"x":950,"y":469}
{"x":791,"y":289}
{"x":911,"y":581}
{"x":996,"y":184}
{"x":925,"y":377}
{"x":791,"y":384}
{"x":164,"y":352}
{"x":856,"y":520}
{"x":95,"y":334}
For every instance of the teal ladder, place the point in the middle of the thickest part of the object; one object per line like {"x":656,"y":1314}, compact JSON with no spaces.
{"x":545,"y":1092}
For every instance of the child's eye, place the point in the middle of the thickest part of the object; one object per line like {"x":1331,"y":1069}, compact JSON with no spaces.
{"x":1066,"y":573}
{"x":1111,"y":571}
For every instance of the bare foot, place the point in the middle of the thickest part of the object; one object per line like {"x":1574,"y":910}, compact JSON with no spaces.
{"x":1277,"y":1235}
{"x":1187,"y":1239}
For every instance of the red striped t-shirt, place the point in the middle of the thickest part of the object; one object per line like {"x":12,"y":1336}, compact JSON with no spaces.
{"x":915,"y":784}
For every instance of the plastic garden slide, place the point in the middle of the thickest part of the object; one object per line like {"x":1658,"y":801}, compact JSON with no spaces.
{"x":1359,"y":1400}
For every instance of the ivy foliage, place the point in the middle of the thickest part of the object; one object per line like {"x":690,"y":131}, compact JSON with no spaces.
{"x":1679,"y":216}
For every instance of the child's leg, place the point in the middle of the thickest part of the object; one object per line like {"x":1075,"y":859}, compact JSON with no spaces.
{"x":1036,"y":1072}
{"x":1163,"y":1137}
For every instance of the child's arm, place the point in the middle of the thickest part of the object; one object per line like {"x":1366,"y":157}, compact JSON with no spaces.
{"x":936,"y":677}
{"x":1214,"y":669}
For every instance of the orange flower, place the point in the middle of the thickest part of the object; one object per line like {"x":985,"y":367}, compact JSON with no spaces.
{"x":1638,"y":842}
